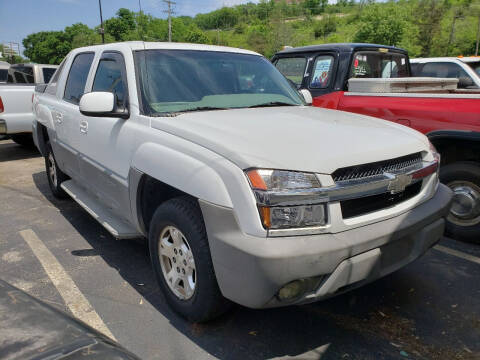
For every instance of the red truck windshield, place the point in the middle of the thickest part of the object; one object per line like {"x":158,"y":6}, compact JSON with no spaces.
{"x":376,"y":64}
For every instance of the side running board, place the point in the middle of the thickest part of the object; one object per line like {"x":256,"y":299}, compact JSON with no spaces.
{"x":114,"y":224}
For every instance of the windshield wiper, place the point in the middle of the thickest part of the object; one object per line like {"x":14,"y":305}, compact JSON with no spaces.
{"x":273,"y":103}
{"x":201,"y":108}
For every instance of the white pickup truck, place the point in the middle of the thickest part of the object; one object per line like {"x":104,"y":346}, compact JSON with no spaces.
{"x":244,"y":192}
{"x":465,"y":69}
{"x":16,"y":114}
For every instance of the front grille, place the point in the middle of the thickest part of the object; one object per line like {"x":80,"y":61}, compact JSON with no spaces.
{"x":365,"y":205}
{"x":377,"y":168}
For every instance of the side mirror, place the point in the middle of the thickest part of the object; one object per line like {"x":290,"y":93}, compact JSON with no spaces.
{"x":465,"y":82}
{"x":101,"y":104}
{"x":307,"y":95}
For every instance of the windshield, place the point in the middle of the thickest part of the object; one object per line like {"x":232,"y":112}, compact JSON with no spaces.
{"x":188,"y":80}
{"x":3,"y":75}
{"x":377,"y":64}
{"x":475,"y":66}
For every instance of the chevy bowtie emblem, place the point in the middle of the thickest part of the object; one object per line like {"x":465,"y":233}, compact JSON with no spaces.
{"x":399,"y":182}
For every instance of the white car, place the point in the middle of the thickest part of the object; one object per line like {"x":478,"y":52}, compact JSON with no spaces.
{"x":16,"y":114}
{"x":244,"y":192}
{"x":465,"y":69}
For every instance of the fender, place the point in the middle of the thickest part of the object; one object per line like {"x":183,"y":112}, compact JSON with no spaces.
{"x":182,"y":172}
{"x":453,"y":134}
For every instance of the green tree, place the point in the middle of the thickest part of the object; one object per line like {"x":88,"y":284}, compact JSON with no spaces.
{"x":326,"y":26}
{"x":428,"y":15}
{"x":380,"y":24}
{"x":122,"y":26}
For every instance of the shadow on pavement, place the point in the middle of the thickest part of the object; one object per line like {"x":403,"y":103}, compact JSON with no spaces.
{"x":393,"y":318}
{"x":10,"y":151}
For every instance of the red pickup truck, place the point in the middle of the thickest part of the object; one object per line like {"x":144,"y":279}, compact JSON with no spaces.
{"x":451,"y":119}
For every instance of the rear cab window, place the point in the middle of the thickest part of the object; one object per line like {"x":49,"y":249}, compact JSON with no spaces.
{"x":77,"y":77}
{"x":379,"y":64}
{"x":21,"y":74}
{"x":47,"y":73}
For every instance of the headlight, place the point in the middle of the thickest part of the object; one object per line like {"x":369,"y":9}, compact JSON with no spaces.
{"x":286,"y":199}
{"x":435,"y":153}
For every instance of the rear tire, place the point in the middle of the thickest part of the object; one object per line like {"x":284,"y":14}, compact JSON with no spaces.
{"x":25,"y":140}
{"x":187,"y":279}
{"x":463,"y":221}
{"x":55,"y":176}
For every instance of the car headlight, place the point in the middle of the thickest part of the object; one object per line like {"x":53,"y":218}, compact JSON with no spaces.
{"x":435,"y":153}
{"x":287,"y":199}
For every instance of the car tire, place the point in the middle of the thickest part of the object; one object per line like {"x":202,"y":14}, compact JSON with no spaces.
{"x":55,"y":176}
{"x":178,"y":224}
{"x":463,"y":178}
{"x":25,"y":140}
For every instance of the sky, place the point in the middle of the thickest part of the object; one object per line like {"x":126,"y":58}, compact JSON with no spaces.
{"x":21,"y":18}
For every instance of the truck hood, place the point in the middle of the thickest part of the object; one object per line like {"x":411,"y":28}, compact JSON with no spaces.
{"x":294,"y":138}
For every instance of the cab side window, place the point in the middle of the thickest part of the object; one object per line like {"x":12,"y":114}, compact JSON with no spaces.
{"x":110,"y":77}
{"x":292,"y":68}
{"x":77,"y":77}
{"x":322,"y":70}
{"x":445,"y":70}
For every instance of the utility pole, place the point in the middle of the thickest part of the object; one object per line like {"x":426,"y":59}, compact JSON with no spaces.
{"x":102,"y":32}
{"x":169,"y":12}
{"x":457,"y":15}
{"x":478,"y":36}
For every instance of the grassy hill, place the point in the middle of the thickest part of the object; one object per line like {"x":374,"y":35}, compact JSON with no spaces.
{"x":423,"y":27}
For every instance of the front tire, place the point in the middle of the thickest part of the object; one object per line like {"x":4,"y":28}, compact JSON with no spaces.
{"x":181,"y":260}
{"x":463,"y":221}
{"x":54,"y":174}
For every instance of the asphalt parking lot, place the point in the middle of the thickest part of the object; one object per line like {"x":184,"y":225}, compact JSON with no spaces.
{"x":55,"y":251}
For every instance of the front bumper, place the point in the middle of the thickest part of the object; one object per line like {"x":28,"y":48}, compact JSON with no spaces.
{"x":251,"y":270}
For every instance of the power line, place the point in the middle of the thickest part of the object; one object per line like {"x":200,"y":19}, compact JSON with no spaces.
{"x":169,"y":12}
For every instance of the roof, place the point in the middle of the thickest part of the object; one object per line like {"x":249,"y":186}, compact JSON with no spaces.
{"x":141,"y":45}
{"x":341,"y":47}
{"x":466,"y":59}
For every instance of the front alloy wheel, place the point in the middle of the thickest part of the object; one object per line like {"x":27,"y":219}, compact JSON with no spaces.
{"x":463,"y":178}
{"x":177,"y":262}
{"x":181,"y":260}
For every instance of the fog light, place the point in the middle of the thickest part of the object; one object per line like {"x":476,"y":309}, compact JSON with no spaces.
{"x":297,"y":288}
{"x":291,"y":290}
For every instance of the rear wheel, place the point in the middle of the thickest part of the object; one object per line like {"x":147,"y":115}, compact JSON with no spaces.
{"x":54,"y":174}
{"x":463,"y":221}
{"x":181,"y":259}
{"x":23,"y":139}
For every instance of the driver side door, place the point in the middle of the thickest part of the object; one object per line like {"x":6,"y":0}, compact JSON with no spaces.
{"x":107,"y":143}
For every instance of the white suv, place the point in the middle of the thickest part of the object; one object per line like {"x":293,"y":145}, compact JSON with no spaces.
{"x":244,"y":192}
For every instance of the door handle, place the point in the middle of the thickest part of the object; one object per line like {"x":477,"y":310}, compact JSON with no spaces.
{"x":84,"y":126}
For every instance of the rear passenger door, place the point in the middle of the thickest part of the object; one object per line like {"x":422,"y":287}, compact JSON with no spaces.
{"x":66,"y":115}
{"x":107,"y":143}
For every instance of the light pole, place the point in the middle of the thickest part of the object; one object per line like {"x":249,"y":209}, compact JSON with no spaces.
{"x":101,"y":22}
